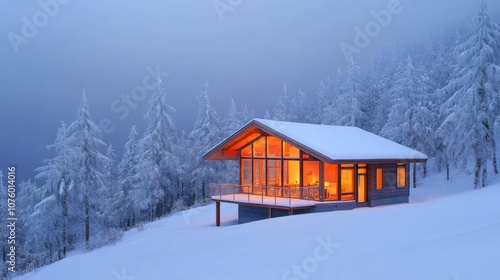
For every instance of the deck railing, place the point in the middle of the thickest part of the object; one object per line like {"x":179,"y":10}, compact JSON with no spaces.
{"x":264,"y":194}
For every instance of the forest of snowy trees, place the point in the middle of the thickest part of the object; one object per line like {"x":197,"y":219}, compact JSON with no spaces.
{"x":440,"y":97}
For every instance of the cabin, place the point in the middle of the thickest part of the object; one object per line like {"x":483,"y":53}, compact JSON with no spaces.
{"x":291,"y":168}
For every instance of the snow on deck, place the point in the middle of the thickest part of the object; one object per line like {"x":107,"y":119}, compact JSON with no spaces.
{"x":265,"y":200}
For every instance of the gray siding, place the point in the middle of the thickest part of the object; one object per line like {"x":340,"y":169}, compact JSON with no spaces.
{"x":390,"y":194}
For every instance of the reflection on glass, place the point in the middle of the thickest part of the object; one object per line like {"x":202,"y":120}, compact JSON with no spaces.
{"x":246,"y":175}
{"x":274,"y":173}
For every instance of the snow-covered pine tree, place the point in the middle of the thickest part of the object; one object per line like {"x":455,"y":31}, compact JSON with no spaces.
{"x":155,"y":194}
{"x":57,"y":174}
{"x":410,"y":121}
{"x":44,"y":226}
{"x":184,"y":152}
{"x":299,"y":108}
{"x":231,"y":124}
{"x":469,"y":114}
{"x":348,"y":105}
{"x":233,"y":120}
{"x":112,"y":188}
{"x":282,"y":110}
{"x":247,"y":115}
{"x":90,"y":177}
{"x":205,"y":134}
{"x":267,"y":115}
{"x":128,"y":173}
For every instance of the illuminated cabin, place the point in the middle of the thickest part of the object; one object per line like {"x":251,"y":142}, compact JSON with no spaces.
{"x":292,"y":168}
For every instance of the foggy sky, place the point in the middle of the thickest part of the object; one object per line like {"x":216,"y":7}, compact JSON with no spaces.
{"x":245,"y":52}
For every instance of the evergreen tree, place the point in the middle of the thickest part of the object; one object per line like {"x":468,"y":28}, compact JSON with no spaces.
{"x":469,"y":114}
{"x":232,"y":123}
{"x":205,"y":134}
{"x":90,"y":177}
{"x":351,"y":99}
{"x":233,"y":120}
{"x":58,"y":173}
{"x":282,"y":111}
{"x":128,"y":171}
{"x":158,"y":166}
{"x":410,"y":121}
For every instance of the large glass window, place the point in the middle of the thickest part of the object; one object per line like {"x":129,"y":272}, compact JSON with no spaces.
{"x":274,"y":173}
{"x":273,"y":147}
{"x":259,"y":175}
{"x":259,"y":148}
{"x":331,"y":172}
{"x":246,"y":175}
{"x":291,"y":173}
{"x":290,"y":151}
{"x":247,"y":151}
{"x":346,"y":183}
{"x":311,"y":173}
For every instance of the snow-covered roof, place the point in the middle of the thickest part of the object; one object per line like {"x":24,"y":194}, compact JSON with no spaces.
{"x":325,"y":142}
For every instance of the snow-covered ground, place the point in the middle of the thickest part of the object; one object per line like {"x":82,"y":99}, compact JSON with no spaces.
{"x":447,"y":232}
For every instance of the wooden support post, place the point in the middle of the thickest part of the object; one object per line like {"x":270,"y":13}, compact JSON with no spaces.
{"x":270,"y":212}
{"x":290,"y":211}
{"x":217,"y":213}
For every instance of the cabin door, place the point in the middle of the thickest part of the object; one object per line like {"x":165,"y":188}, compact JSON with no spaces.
{"x":362,"y":186}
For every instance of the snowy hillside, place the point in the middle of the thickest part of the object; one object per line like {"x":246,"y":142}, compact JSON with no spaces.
{"x":448,"y":231}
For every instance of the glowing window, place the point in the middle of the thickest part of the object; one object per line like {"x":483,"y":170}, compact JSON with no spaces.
{"x":246,"y":174}
{"x":401,"y":176}
{"x":290,"y":151}
{"x":331,"y":173}
{"x":346,"y":184}
{"x":380,"y":178}
{"x":311,"y":173}
{"x":274,"y":173}
{"x":259,"y":172}
{"x":291,"y":173}
{"x":361,"y":188}
{"x":259,"y":147}
{"x":273,"y":147}
{"x":247,"y":151}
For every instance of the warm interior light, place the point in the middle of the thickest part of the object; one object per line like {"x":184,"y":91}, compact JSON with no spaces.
{"x":290,"y":151}
{"x":380,"y":178}
{"x":273,"y":147}
{"x":401,"y":176}
{"x":331,"y":172}
{"x":259,"y":147}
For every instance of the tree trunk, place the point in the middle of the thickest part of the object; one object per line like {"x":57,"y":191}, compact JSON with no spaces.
{"x":495,"y":166}
{"x":484,"y":176}
{"x":477,"y":171}
{"x":425,"y":169}
{"x":415,"y":175}
{"x":447,"y":171}
{"x":87,"y":221}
